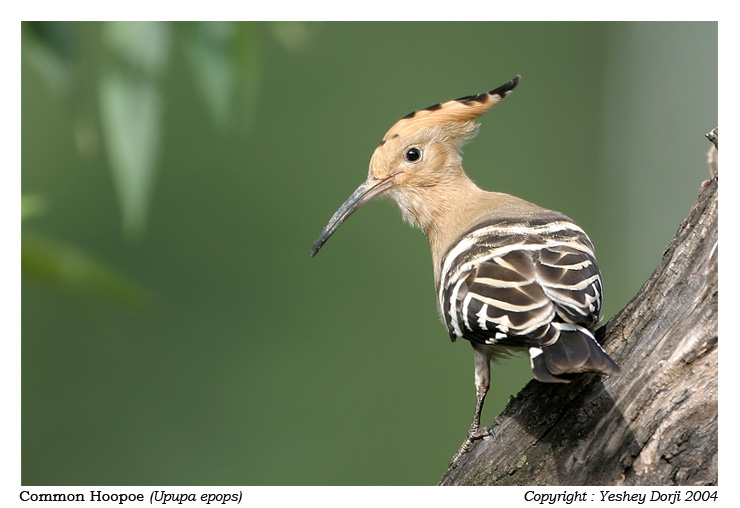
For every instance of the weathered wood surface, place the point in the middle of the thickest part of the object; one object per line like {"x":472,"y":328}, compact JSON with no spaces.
{"x":656,"y":423}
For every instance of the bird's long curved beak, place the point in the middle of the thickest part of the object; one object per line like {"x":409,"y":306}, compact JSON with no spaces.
{"x":364,"y":193}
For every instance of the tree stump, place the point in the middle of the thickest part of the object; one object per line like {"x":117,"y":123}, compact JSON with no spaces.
{"x":655,"y":423}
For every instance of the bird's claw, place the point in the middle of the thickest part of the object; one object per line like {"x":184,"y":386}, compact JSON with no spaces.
{"x":473,"y":435}
{"x":481,"y":433}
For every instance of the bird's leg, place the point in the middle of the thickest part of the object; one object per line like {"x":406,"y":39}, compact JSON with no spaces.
{"x":482,"y":383}
{"x":475,"y":431}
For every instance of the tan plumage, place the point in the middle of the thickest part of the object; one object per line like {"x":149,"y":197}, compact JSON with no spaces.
{"x":509,"y":274}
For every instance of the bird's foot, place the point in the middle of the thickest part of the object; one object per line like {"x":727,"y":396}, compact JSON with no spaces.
{"x":473,"y":435}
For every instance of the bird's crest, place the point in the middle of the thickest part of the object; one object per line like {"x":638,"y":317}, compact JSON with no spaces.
{"x":458,"y":111}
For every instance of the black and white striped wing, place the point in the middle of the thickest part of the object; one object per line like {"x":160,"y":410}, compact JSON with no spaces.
{"x":514,"y":284}
{"x":571,"y":280}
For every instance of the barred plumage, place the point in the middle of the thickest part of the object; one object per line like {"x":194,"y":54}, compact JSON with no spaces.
{"x":509,"y":274}
{"x":524,"y":282}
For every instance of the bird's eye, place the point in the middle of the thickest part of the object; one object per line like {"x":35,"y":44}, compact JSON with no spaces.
{"x":412,"y":154}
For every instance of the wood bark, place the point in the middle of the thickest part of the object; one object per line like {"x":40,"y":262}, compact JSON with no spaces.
{"x":656,"y":422}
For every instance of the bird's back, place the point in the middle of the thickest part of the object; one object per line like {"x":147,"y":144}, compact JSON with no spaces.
{"x":524,"y":277}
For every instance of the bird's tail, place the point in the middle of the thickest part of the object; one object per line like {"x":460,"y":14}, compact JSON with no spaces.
{"x":575,"y":351}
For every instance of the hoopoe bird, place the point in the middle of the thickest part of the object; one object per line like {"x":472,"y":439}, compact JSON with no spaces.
{"x":508,"y":274}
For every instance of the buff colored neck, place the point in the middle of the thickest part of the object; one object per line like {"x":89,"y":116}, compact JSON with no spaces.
{"x":443,"y":212}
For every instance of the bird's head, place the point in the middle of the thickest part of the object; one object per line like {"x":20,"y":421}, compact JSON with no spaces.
{"x":420,"y":152}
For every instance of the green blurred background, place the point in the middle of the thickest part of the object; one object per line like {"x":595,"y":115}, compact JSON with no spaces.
{"x":175,"y":175}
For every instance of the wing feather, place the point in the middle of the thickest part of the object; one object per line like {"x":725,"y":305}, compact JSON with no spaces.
{"x":508,"y":289}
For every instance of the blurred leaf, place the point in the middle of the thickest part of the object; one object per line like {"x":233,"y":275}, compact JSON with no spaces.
{"x":293,"y":35}
{"x":49,"y":47}
{"x":210,"y":48}
{"x":85,"y":131}
{"x":130,"y":110}
{"x":145,"y":46}
{"x":68,"y":268}
{"x":32,"y":205}
{"x":225,"y":64}
{"x":53,"y":50}
{"x":249,"y":66}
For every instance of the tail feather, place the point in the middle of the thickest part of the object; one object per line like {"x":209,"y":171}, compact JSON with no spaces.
{"x":575,"y":351}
